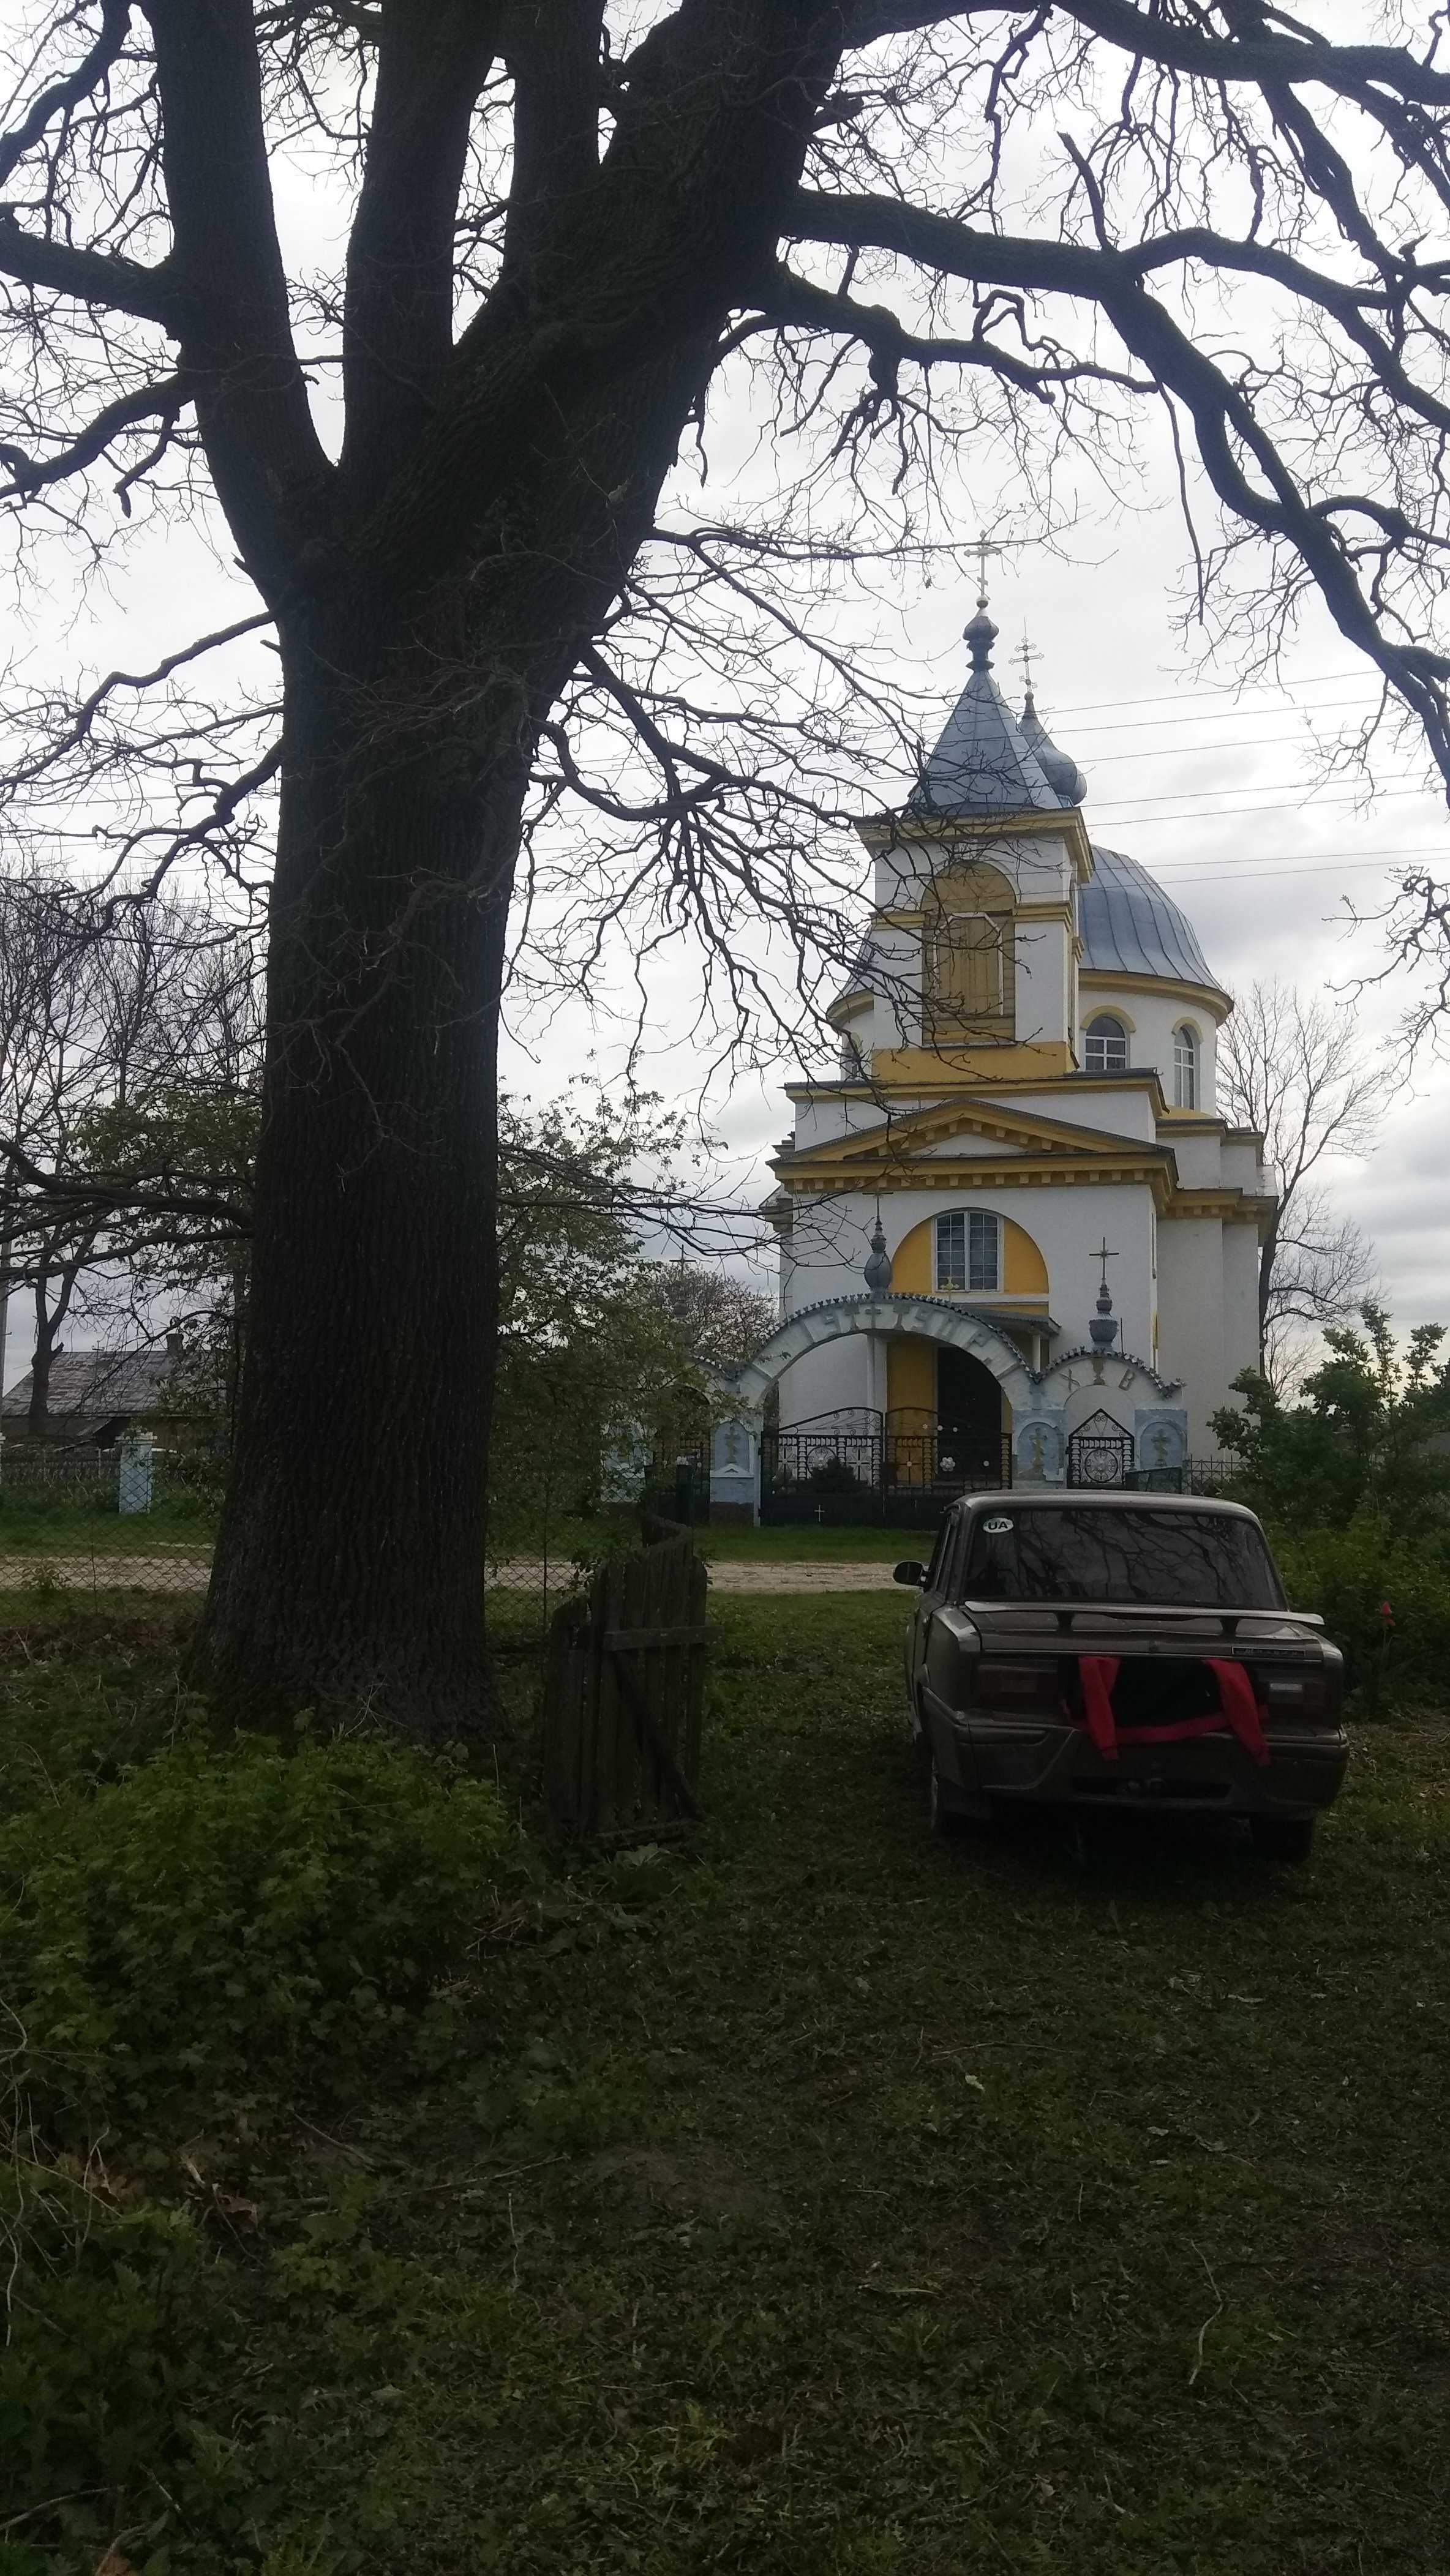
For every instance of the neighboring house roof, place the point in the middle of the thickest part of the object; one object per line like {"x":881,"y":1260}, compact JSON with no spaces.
{"x":1129,"y":926}
{"x":92,"y":1385}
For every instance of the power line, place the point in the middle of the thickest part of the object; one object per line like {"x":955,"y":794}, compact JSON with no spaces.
{"x":1289,"y":860}
{"x":1287,"y":787}
{"x":1196,"y":872}
{"x":1176,"y":697}
{"x":1207,"y":715}
{"x":1200,"y":750}
{"x":1221,"y":876}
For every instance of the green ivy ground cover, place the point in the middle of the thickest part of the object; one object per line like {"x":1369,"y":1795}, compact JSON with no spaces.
{"x":834,"y":2201}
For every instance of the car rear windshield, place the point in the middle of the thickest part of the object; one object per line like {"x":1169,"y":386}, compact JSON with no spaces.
{"x":1185,"y":1560}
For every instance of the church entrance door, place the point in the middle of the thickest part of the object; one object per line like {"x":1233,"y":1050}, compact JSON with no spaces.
{"x":969,"y":1418}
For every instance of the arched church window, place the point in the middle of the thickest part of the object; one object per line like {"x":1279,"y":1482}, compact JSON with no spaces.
{"x":969,"y":968}
{"x":1107,"y":1045}
{"x":969,"y":1251}
{"x":1185,"y":1067}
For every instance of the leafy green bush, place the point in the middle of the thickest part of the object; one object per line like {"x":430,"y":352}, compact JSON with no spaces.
{"x":1364,"y":1442}
{"x":204,"y":1925}
{"x":212,"y":1914}
{"x":1348,"y":1576}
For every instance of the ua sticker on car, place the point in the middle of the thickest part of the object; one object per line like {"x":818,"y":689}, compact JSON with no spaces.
{"x":997,"y":1528}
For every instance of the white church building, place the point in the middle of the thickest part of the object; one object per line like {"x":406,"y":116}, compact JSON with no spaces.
{"x":1017,"y":1236}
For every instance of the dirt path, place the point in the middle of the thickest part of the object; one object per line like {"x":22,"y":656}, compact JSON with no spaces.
{"x":189,"y":1574}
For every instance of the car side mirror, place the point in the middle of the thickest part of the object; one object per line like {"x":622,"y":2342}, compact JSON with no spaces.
{"x":908,"y":1571}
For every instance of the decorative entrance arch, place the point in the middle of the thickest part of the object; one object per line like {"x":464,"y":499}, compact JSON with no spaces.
{"x":1045,"y":1404}
{"x":931,"y":1319}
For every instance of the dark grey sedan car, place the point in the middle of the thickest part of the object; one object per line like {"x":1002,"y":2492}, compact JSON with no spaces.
{"x":1120,"y":1650}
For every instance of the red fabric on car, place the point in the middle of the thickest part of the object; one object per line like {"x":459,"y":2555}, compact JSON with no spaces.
{"x":1237,"y":1708}
{"x":1097,"y":1673}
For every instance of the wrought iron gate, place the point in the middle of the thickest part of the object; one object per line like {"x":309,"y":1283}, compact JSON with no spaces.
{"x":846,"y":1467}
{"x":1099,"y":1453}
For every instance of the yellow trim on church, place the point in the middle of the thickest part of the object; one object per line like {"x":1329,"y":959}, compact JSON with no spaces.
{"x":911,"y":1376}
{"x":1014,"y":1060}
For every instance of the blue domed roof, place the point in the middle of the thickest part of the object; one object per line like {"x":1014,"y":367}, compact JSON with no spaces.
{"x":1129,"y":927}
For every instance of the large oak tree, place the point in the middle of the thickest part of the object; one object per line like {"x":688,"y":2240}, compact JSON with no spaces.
{"x":442,"y":470}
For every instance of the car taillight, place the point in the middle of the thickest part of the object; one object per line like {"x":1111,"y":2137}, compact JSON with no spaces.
{"x":1035,"y":1687}
{"x":1293,"y":1691}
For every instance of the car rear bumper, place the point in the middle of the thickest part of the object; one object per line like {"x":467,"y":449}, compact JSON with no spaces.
{"x":1057,"y":1764}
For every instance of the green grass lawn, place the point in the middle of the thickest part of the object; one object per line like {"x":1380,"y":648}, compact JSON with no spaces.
{"x":74,"y":1531}
{"x":70,"y":1529}
{"x":835,"y":2203}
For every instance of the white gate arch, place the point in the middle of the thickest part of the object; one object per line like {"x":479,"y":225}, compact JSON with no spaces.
{"x":931,"y":1319}
{"x":1042,"y":1402}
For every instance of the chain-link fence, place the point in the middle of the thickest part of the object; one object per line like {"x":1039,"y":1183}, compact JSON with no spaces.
{"x":82,"y":1523}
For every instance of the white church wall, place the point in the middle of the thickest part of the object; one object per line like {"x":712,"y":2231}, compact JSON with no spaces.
{"x":1120,"y":1112}
{"x":832,"y":1240}
{"x":1151,"y":1019}
{"x":837,"y":1374}
{"x":1065,"y":1224}
{"x":1243,"y":1166}
{"x":1240,"y":1300}
{"x":819,"y":1120}
{"x":1198,"y":1152}
{"x":1044,"y":981}
{"x":1191,"y":1318}
{"x":963,"y":1149}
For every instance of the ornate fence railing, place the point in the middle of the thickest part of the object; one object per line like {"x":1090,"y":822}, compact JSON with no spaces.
{"x":834,"y":1470}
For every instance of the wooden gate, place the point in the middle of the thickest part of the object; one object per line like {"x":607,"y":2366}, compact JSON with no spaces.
{"x":622,"y":1682}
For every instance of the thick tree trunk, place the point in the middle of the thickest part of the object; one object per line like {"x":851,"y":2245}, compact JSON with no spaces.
{"x":424,"y":639}
{"x":350,"y":1560}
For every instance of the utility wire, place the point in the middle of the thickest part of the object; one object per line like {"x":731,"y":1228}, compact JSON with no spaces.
{"x":1206,"y":715}
{"x":1288,"y":787}
{"x":1178,"y":697}
{"x":1289,"y":861}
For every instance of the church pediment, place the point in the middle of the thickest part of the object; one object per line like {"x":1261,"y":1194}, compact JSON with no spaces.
{"x":950,"y":1130}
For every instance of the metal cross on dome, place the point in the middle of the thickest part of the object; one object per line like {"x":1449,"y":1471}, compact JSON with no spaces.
{"x":984,"y":548}
{"x":1026,"y":654}
{"x":1103,"y":1255}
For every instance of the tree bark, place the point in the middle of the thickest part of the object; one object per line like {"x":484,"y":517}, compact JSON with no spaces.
{"x":48,"y":1322}
{"x":349,"y":1564}
{"x":37,"y":1419}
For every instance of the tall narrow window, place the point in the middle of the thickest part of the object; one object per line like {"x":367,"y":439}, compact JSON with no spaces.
{"x":1185,"y":1067}
{"x":969,"y":1251}
{"x":1107,"y":1045}
{"x":969,"y":969}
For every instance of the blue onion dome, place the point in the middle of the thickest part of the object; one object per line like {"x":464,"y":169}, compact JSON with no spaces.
{"x":1062,"y":774}
{"x":1129,"y":926}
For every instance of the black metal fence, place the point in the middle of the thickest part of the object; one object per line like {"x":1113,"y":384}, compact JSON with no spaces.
{"x":1206,"y":1476}
{"x":840,"y":1470}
